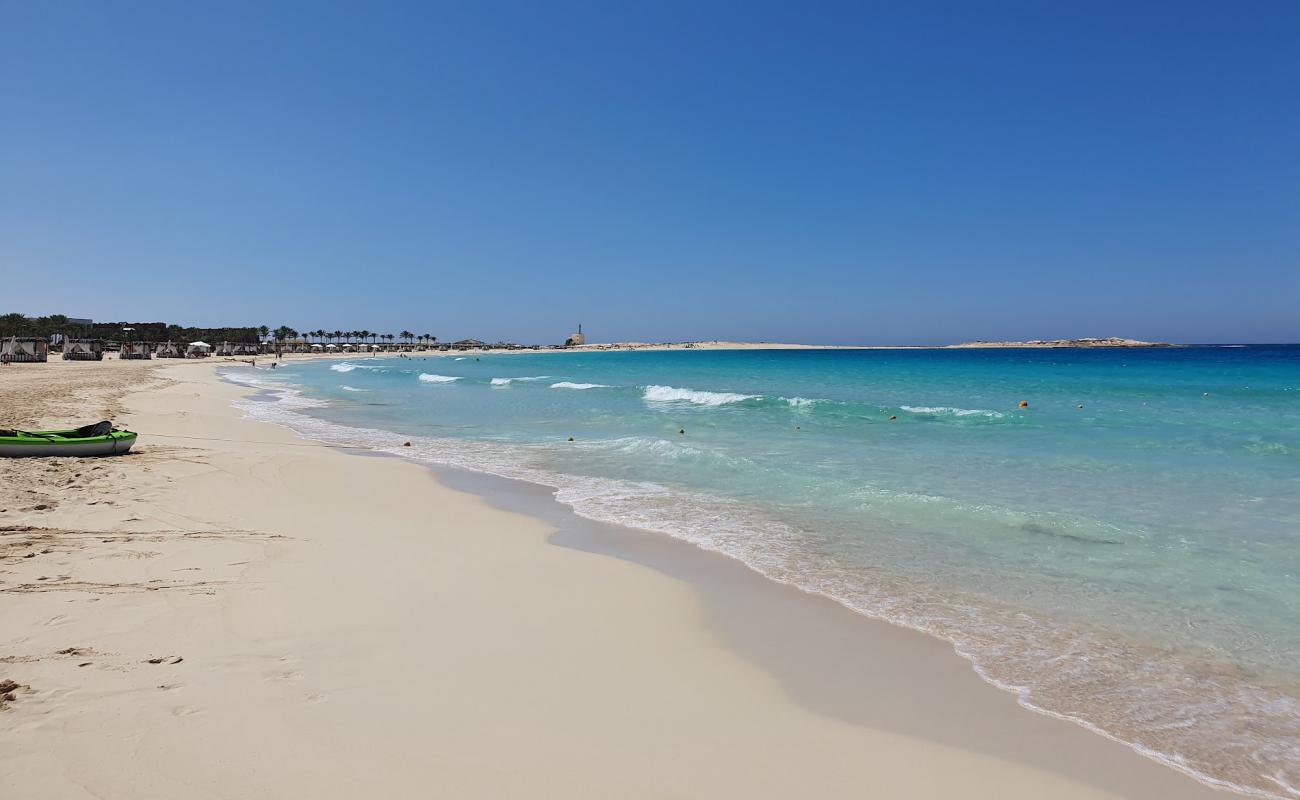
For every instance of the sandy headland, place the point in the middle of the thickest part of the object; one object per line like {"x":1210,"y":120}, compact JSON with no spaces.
{"x":234,"y":611}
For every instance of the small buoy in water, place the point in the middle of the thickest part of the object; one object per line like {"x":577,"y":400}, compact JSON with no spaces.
{"x":893,"y":417}
{"x":681,"y":431}
{"x":408,"y":444}
{"x":1024,"y":404}
{"x":571,"y":438}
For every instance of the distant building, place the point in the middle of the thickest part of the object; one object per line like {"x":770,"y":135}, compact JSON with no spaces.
{"x":576,"y":339}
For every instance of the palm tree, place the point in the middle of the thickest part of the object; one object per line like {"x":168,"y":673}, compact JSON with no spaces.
{"x":13,"y":324}
{"x":263,"y":331}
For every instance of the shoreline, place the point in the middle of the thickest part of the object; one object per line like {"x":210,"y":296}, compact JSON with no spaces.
{"x":920,"y":719}
{"x":482,"y":481}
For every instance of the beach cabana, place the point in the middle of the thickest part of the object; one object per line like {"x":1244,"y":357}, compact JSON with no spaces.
{"x":83,"y":350}
{"x":349,"y":347}
{"x":198,"y":350}
{"x":168,"y":350}
{"x":29,"y":349}
{"x":316,"y":348}
{"x":331,"y":347}
{"x":135,"y":351}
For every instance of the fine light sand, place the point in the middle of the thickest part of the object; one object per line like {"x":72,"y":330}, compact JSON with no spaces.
{"x":242,"y":614}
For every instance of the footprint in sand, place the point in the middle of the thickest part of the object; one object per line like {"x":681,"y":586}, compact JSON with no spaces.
{"x":165,"y":660}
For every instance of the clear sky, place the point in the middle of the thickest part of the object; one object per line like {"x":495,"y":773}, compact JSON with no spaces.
{"x":861,"y":172}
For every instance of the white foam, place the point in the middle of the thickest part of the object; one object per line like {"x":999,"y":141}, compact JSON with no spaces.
{"x":953,"y":412}
{"x":429,"y":377}
{"x":347,"y":388}
{"x":343,"y":366}
{"x":671,"y":394}
{"x":508,"y":381}
{"x":459,"y":358}
{"x":571,"y":385}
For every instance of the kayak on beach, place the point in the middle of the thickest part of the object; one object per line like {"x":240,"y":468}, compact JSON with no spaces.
{"x":98,"y":439}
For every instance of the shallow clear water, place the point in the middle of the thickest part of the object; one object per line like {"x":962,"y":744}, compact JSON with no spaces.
{"x":1124,"y":552}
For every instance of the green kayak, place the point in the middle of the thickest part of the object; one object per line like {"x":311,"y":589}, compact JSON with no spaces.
{"x":100,"y":439}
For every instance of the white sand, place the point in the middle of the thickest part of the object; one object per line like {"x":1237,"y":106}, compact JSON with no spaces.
{"x":336,"y":626}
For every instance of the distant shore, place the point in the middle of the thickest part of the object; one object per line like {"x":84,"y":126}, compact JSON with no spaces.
{"x":726,"y":345}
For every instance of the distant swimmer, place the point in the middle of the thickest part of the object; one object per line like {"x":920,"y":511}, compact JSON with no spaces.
{"x":681,"y":431}
{"x":1024,"y":404}
{"x":570,"y":439}
{"x":894,"y":417}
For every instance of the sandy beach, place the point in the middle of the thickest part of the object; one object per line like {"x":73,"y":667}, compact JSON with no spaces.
{"x":234,"y":611}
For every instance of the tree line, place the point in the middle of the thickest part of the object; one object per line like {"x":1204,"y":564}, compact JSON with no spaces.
{"x":15,"y":324}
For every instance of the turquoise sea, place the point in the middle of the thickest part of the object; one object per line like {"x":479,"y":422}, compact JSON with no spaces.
{"x":1124,"y":552}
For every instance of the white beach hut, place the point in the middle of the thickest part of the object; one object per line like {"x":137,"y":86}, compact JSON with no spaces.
{"x":135,"y":351}
{"x":24,"y":349}
{"x":83,"y":350}
{"x":168,"y":350}
{"x":198,"y":350}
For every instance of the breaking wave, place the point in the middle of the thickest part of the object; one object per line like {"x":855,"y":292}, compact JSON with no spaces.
{"x":571,"y":385}
{"x":508,"y":381}
{"x":940,"y":411}
{"x":671,"y":394}
{"x":429,"y":377}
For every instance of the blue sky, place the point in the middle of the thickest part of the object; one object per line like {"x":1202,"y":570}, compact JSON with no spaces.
{"x":894,"y":172}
